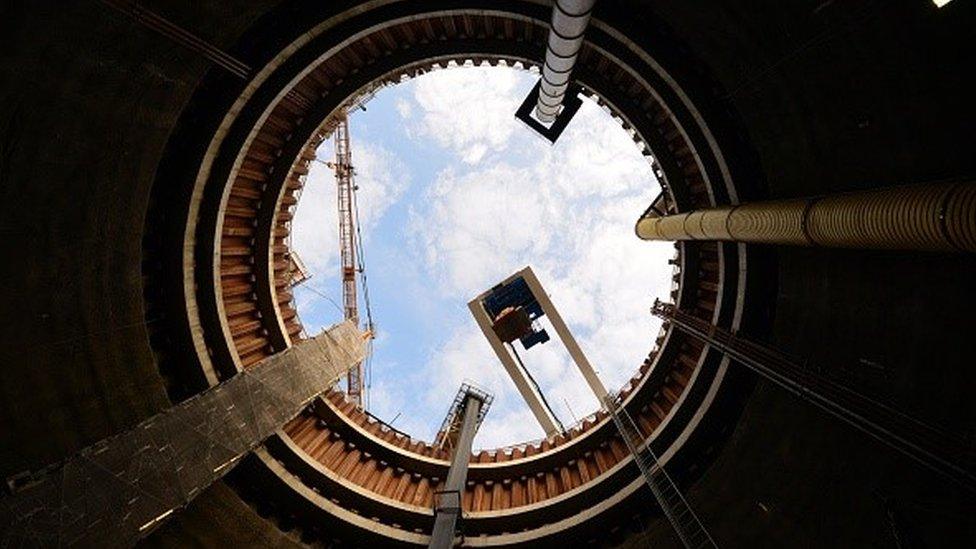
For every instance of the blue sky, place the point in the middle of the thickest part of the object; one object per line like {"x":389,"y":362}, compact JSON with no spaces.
{"x":455,"y":195}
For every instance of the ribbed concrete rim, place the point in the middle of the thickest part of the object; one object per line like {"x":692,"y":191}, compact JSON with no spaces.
{"x":266,"y":72}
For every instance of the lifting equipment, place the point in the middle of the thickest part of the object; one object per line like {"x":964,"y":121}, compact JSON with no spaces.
{"x":349,"y":241}
{"x":508,"y":312}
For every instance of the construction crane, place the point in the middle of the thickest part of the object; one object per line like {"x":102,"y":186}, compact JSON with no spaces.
{"x":348,"y":233}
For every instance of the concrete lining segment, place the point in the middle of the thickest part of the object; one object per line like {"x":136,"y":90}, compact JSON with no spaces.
{"x":390,"y":534}
{"x":310,"y":464}
{"x":123,"y":487}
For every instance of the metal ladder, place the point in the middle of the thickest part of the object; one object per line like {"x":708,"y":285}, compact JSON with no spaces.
{"x":675,"y":507}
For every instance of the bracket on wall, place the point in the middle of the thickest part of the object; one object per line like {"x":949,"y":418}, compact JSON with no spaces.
{"x":571,"y":104}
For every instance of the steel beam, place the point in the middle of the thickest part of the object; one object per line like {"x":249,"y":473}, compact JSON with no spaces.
{"x":448,"y":500}
{"x":115,"y":492}
{"x":575,"y":352}
{"x":525,"y":387}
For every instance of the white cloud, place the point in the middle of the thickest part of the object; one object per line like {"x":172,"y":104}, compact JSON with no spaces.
{"x":505,"y":200}
{"x":477,"y":225}
{"x":568,"y":210}
{"x":469,"y":111}
{"x":315,"y":231}
{"x":381,"y":177}
{"x":404,"y":108}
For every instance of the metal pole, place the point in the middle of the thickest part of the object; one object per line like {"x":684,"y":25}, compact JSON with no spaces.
{"x":939,"y":216}
{"x":448,"y":501}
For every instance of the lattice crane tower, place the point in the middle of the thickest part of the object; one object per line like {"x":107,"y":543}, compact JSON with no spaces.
{"x":344,"y":172}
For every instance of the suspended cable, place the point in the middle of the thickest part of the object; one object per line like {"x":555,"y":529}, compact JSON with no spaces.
{"x":320,"y":294}
{"x":361,"y":258}
{"x":538,"y":389}
{"x":571,"y":412}
{"x":369,"y":371}
{"x":361,"y":268}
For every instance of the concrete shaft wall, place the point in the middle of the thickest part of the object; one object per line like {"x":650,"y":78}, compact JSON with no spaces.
{"x":837,"y":97}
{"x":828,"y":97}
{"x":88,"y":100}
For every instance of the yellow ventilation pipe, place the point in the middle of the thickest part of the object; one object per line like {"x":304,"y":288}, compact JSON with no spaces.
{"x":938,"y":216}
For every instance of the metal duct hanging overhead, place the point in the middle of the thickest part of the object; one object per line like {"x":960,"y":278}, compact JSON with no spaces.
{"x":569,"y":21}
{"x":555,"y":100}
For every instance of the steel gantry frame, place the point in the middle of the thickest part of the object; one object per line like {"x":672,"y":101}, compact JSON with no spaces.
{"x":513,"y":364}
{"x":675,"y":507}
{"x":930,"y":446}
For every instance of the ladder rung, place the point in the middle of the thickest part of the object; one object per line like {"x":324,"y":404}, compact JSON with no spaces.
{"x":669,"y":498}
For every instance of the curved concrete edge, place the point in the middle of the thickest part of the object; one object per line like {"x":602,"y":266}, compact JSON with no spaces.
{"x":333,"y":509}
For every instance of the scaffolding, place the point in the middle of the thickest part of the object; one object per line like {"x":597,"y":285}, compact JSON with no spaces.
{"x":120,"y":489}
{"x":451,"y":426}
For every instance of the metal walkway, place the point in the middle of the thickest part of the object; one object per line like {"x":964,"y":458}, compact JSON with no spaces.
{"x":118,"y":490}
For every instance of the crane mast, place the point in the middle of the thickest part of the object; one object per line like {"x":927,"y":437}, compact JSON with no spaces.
{"x":347,"y":244}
